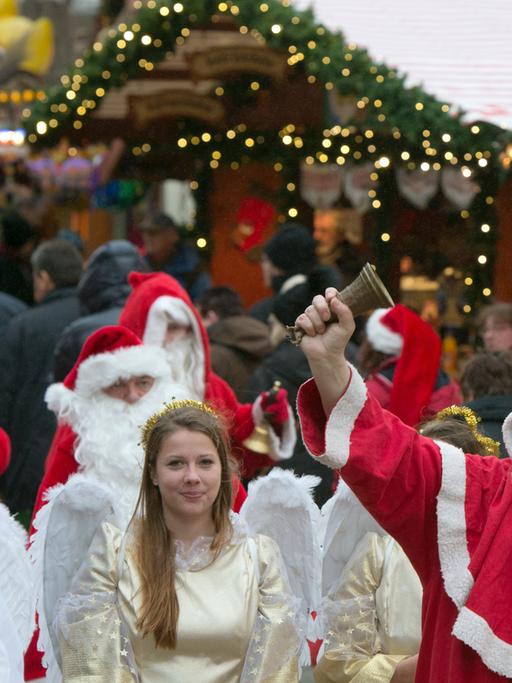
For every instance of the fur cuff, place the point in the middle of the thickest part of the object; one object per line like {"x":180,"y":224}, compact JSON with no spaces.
{"x":282,"y":446}
{"x":474,"y":631}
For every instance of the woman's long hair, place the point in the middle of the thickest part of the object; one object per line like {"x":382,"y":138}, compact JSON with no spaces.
{"x":154,"y":547}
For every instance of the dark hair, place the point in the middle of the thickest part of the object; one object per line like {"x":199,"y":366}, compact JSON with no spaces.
{"x":224,"y":301}
{"x":501,"y":311}
{"x":16,"y":230}
{"x":61,"y":260}
{"x":487,"y":374}
{"x":154,"y":542}
{"x":455,"y":431}
{"x":158,"y":221}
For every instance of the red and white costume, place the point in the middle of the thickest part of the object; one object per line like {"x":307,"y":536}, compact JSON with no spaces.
{"x":156,"y":300}
{"x":451,"y":513}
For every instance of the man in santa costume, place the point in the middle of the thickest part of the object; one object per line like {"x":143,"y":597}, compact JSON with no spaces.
{"x":115,"y":385}
{"x":451,"y":512}
{"x":161,"y":313}
{"x":401,"y":358}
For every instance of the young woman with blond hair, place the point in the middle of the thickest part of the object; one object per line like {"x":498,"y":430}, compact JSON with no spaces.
{"x":186,"y":594}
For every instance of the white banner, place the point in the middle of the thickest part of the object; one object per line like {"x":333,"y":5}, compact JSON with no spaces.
{"x":358,"y":183}
{"x":417,"y":186}
{"x":321,"y":184}
{"x":458,"y":189}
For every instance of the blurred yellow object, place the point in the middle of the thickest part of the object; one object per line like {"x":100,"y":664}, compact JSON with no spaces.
{"x":450,"y":355}
{"x":25,"y":45}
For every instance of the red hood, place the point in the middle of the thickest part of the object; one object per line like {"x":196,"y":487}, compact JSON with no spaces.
{"x":147,"y":289}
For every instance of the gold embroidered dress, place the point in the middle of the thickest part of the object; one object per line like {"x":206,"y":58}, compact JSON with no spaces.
{"x":373,"y":617}
{"x":236,"y":620}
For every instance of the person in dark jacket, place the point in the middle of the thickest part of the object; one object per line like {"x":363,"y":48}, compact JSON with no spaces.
{"x":9,"y":307}
{"x":102,"y":291}
{"x":18,"y":242}
{"x":166,"y":252}
{"x":238,"y":342}
{"x":486,"y":385}
{"x":26,"y":363}
{"x":288,"y":365}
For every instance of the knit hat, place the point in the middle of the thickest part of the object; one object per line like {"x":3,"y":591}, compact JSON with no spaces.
{"x":398,"y":331}
{"x":5,"y":451}
{"x":292,"y":249}
{"x":109,"y":354}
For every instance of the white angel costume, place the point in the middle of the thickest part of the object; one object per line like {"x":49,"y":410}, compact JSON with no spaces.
{"x":347,"y":571}
{"x":17,"y":598}
{"x":236,"y":616}
{"x":372,"y":618}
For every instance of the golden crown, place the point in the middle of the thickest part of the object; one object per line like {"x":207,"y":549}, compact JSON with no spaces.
{"x":491,"y":446}
{"x":150,"y":423}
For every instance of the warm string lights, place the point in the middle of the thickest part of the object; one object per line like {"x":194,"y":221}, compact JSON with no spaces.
{"x":388,"y":125}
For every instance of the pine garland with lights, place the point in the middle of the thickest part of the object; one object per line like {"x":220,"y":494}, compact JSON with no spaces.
{"x":395,"y":125}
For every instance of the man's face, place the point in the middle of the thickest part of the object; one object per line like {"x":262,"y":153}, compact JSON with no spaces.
{"x":130,"y":390}
{"x":497,"y":335}
{"x":325,"y":231}
{"x":159,"y":244}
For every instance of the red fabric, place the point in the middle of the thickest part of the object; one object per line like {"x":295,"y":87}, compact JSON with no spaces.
{"x":258,"y":214}
{"x":147,"y":288}
{"x":396,"y":474}
{"x":105,"y":340}
{"x":380,"y":388}
{"x":418,"y":364}
{"x":277,"y":411}
{"x":5,"y":451}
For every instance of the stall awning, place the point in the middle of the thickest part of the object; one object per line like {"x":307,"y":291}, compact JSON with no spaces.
{"x":458,"y":50}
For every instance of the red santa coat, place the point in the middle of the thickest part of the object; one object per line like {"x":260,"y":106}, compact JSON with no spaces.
{"x":157,"y":288}
{"x":452,"y":514}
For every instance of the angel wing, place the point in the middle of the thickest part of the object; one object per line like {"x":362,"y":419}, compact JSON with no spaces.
{"x":280,"y":505}
{"x":65,"y":527}
{"x":17,"y":598}
{"x":344,"y":522}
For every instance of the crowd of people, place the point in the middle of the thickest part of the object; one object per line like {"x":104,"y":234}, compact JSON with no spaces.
{"x":139,"y":405}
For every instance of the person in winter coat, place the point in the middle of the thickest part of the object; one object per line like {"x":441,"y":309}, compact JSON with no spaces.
{"x":102,"y":291}
{"x":9,"y":307}
{"x":166,"y":252}
{"x":26,"y":368}
{"x":18,"y":241}
{"x":486,"y":384}
{"x":238,"y":342}
{"x":288,"y":365}
{"x":401,"y":359}
{"x":287,"y":259}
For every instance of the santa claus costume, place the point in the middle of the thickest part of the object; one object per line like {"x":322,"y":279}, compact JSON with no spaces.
{"x":100,"y":435}
{"x":450,"y":512}
{"x":410,"y":383}
{"x":17,"y":593}
{"x":158,"y":300}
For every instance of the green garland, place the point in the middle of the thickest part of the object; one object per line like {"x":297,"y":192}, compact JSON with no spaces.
{"x":399,"y":125}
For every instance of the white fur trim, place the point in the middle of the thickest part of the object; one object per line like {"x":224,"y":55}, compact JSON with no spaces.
{"x":341,"y":422}
{"x":281,"y":447}
{"x":507,"y":434}
{"x":474,"y":631}
{"x":161,"y":310}
{"x":381,"y":337}
{"x":104,"y":369}
{"x":451,"y":525}
{"x":59,"y":399}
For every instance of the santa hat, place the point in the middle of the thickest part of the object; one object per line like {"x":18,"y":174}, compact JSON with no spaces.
{"x":109,"y":354}
{"x":5,"y":451}
{"x":155,"y":296}
{"x":398,"y":331}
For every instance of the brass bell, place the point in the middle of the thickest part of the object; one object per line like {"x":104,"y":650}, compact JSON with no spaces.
{"x":365,"y":293}
{"x":259,"y":440}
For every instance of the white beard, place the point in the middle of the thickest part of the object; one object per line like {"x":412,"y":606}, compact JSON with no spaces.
{"x":186,"y":362}
{"x":108,"y":432}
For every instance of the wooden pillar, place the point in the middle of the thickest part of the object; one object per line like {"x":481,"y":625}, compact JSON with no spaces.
{"x":503,"y":264}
